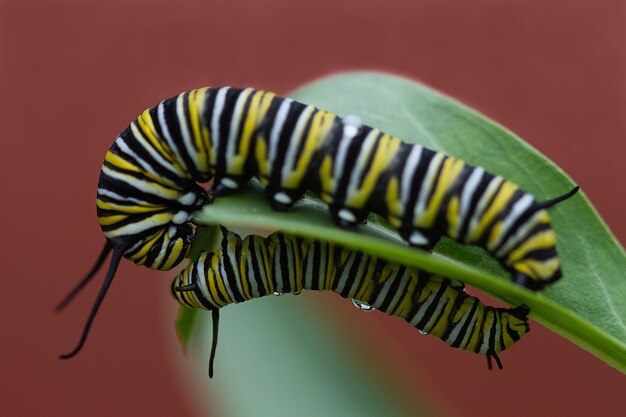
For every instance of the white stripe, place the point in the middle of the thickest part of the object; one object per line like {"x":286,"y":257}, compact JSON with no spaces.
{"x":224,"y":278}
{"x":485,"y":344}
{"x":279,"y":121}
{"x":518,"y":209}
{"x":407,"y":175}
{"x":218,"y":108}
{"x":308,"y":273}
{"x":359,"y":167}
{"x":184,"y":131}
{"x":520,"y":234}
{"x":349,"y":132}
{"x":470,"y":328}
{"x":440,"y":305}
{"x":404,"y":282}
{"x":260,"y":263}
{"x":164,"y":248}
{"x":158,"y":158}
{"x":168,"y":137}
{"x":290,"y":265}
{"x":135,"y":227}
{"x":121,"y":198}
{"x":427,"y":185}
{"x":145,"y":186}
{"x":202,"y":279}
{"x":466,"y":196}
{"x":245,"y":248}
{"x":234,"y":126}
{"x":499,"y":328}
{"x":459,"y":325}
{"x":345,"y":273}
{"x":421,"y":311}
{"x":296,"y":138}
{"x":480,"y":207}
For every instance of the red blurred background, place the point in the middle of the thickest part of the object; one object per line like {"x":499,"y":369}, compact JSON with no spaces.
{"x":73,"y":74}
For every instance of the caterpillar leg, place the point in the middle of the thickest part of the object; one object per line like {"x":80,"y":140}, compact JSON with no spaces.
{"x":227,"y":184}
{"x":282,"y":199}
{"x":347,"y":218}
{"x":419,"y":238}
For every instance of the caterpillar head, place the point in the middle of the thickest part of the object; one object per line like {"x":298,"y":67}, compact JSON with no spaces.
{"x":155,"y":235}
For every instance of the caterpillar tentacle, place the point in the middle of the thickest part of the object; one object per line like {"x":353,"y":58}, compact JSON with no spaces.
{"x":255,"y":267}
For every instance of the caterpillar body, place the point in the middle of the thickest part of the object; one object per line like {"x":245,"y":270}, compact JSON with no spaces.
{"x":148,"y":188}
{"x":254,"y":267}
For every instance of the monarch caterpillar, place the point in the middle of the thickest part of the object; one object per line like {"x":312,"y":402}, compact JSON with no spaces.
{"x":148,"y":187}
{"x":255,"y":267}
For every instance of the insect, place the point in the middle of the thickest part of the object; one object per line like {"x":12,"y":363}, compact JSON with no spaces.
{"x":254,"y":267}
{"x":148,"y":188}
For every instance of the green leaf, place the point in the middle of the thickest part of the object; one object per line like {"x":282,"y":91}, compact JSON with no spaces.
{"x":588,"y":305}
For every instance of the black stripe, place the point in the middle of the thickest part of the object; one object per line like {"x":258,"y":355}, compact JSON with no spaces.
{"x":173,"y":126}
{"x":225,"y":118}
{"x":232,"y":276}
{"x":284,"y":144}
{"x":417,"y":182}
{"x":396,"y":280}
{"x":469,"y":316}
{"x":258,"y":268}
{"x":480,"y":189}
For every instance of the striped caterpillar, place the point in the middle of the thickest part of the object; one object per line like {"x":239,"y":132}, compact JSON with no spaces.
{"x":254,"y":267}
{"x":148,"y":188}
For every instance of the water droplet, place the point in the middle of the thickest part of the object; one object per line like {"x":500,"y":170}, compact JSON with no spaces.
{"x":362,"y":306}
{"x":422,"y":332}
{"x":297,"y":292}
{"x":277,"y":293}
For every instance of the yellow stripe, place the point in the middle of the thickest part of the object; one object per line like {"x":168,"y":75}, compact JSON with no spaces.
{"x":109,"y":220}
{"x":120,"y":163}
{"x":174,"y":254}
{"x":261,"y":157}
{"x":442,"y":325}
{"x":236,"y":165}
{"x":326,"y":179}
{"x":212,"y":279}
{"x":386,"y":151}
{"x":538,"y":269}
{"x":407,"y":300}
{"x":130,"y":209}
{"x":156,"y":145}
{"x":541,"y":240}
{"x":453,"y":217}
{"x":215,"y":265}
{"x":146,"y":186}
{"x":149,"y":132}
{"x":294,"y":178}
{"x":452,"y":167}
{"x":392,"y":199}
{"x":497,"y":206}
{"x":195,"y":103}
{"x":243,"y":272}
{"x":147,"y":245}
